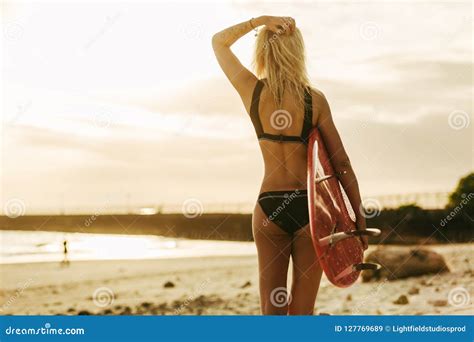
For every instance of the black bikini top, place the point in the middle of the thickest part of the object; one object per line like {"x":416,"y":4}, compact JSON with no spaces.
{"x":307,"y":123}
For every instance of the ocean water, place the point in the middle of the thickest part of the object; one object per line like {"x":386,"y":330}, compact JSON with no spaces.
{"x":39,"y":246}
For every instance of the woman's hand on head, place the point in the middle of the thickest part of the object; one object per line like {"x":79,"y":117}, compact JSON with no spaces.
{"x":280,"y":25}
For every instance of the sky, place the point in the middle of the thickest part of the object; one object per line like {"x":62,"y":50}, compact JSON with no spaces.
{"x":123,"y":105}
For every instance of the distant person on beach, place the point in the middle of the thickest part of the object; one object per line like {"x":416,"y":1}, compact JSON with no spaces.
{"x":65,"y":261}
{"x":283,"y":108}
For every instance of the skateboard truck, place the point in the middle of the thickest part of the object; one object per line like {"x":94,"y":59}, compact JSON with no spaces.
{"x":323,"y":178}
{"x":357,"y":267}
{"x":339,"y":236}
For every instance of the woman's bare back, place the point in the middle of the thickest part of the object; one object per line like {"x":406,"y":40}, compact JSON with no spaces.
{"x":285,"y":163}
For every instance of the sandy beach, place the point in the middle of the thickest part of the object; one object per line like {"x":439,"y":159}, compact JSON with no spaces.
{"x":218,"y":286}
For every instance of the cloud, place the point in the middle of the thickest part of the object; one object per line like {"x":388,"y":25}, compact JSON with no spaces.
{"x":415,"y":87}
{"x":427,"y":153}
{"x":390,"y":97}
{"x":424,"y":155}
{"x":204,"y":97}
{"x":411,"y":87}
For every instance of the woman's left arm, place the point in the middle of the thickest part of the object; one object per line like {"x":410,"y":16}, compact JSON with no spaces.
{"x":340,"y":161}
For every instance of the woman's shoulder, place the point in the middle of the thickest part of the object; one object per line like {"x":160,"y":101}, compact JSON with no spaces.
{"x":320,"y":104}
{"x":317,"y":93}
{"x":319,"y":99}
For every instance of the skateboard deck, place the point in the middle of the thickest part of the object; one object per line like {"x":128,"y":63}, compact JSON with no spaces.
{"x":335,"y":236}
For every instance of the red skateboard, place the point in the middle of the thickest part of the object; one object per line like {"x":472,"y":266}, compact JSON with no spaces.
{"x":332,"y":220}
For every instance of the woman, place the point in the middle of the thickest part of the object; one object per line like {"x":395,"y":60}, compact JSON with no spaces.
{"x":283,"y":109}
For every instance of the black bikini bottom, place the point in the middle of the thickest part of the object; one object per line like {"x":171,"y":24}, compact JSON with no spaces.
{"x":287,"y":209}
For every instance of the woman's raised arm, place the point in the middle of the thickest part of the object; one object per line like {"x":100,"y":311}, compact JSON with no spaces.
{"x":241,"y":78}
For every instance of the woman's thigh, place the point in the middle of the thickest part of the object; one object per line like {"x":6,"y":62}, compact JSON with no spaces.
{"x":274,"y":249}
{"x":306,"y":273}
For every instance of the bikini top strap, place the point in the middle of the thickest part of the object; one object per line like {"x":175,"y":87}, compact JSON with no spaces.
{"x":254,"y":107}
{"x":308,"y":115}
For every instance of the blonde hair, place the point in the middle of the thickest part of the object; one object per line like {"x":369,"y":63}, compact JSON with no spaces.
{"x":280,"y":58}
